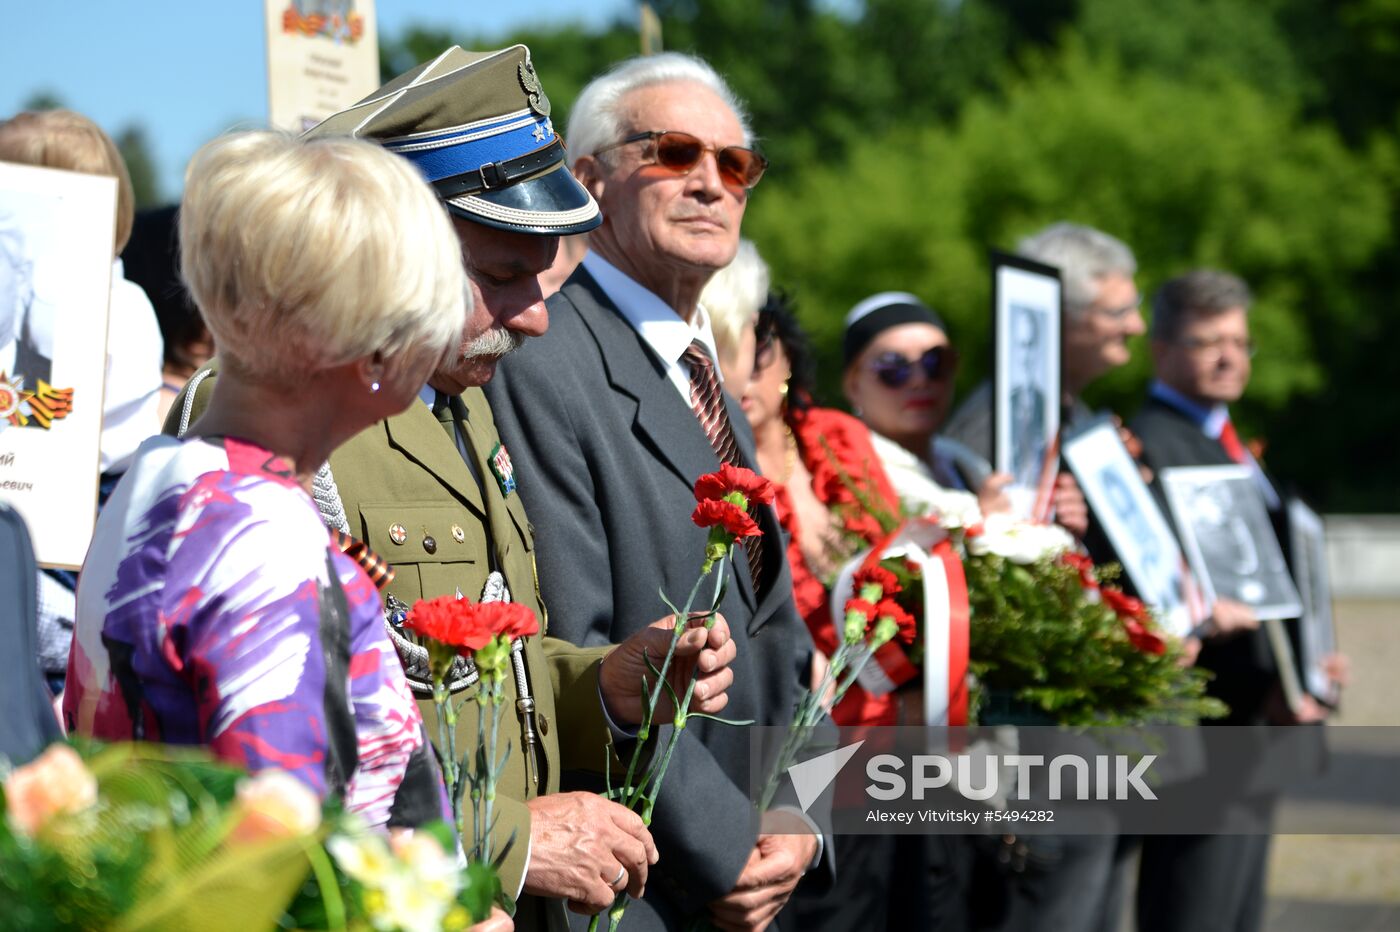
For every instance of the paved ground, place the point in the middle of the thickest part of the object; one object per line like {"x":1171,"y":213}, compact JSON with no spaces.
{"x":1341,"y":883}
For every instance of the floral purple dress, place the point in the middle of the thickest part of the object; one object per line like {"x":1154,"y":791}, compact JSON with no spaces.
{"x":213,"y":610}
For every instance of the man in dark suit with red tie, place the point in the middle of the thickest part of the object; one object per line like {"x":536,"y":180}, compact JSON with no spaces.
{"x":1202,"y":352}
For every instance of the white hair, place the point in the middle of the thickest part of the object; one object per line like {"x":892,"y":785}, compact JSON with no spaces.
{"x":596,"y":118}
{"x":734,"y":296}
{"x":1084,"y":257}
{"x":304,"y":254}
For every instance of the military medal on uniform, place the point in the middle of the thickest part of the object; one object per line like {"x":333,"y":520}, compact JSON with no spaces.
{"x":502,"y":468}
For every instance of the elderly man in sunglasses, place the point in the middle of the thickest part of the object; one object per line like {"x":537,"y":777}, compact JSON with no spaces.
{"x":613,"y":415}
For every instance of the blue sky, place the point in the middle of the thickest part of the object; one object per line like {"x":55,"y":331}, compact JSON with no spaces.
{"x":190,"y":70}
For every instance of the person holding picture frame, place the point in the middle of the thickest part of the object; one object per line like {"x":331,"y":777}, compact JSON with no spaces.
{"x":1101,"y":314}
{"x":1201,"y":353}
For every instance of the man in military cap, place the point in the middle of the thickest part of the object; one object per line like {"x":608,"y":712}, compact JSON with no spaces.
{"x":433,"y":490}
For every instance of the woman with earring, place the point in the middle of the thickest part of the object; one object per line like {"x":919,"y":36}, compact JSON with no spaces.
{"x":214,"y":608}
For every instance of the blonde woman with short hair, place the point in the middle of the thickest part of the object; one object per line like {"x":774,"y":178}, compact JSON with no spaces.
{"x":213,"y":607}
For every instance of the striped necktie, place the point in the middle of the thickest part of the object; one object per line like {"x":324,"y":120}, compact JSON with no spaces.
{"x":707,"y":400}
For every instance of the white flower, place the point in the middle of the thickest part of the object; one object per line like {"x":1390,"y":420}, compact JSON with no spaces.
{"x":1019,"y":541}
{"x":432,"y":868}
{"x":953,"y":508}
{"x":410,"y":906}
{"x":414,"y":880}
{"x":364,"y":857}
{"x":959,"y":510}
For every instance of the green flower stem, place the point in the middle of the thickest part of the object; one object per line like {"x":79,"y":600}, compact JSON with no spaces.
{"x":331,"y":900}
{"x":644,"y":794}
{"x":615,"y":914}
{"x":478,"y":824}
{"x":632,"y":794}
{"x":447,"y":739}
{"x":810,"y":711}
{"x":678,"y":726}
{"x":489,"y":791}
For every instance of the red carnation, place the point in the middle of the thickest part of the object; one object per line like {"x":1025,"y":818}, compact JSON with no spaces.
{"x":860,"y":607}
{"x":449,"y":620}
{"x":879,"y":577}
{"x":1084,"y":565}
{"x":716,"y":485}
{"x":908,"y":625}
{"x":718,"y":513}
{"x":1144,"y":640}
{"x":510,"y":619}
{"x":1123,"y":605}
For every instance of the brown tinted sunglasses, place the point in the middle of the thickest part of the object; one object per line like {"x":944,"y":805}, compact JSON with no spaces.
{"x":680,"y":152}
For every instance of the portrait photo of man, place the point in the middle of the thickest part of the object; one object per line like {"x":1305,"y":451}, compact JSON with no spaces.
{"x":26,"y":323}
{"x":1028,"y":440}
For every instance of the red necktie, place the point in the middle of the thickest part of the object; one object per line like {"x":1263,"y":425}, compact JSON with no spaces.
{"x":707,"y":400}
{"x":1230,"y":440}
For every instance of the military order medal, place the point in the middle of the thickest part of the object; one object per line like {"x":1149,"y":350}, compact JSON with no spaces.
{"x":502,"y":469}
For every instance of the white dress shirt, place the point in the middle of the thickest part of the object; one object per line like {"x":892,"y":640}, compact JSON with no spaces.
{"x":660,"y":327}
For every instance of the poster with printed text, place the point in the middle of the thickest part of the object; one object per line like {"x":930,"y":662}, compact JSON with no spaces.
{"x":56,"y":231}
{"x":322,"y":57}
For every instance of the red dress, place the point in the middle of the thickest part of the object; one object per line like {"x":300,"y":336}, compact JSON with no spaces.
{"x":836,"y":450}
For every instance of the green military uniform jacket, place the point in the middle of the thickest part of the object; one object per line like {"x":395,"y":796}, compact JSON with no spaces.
{"x":409,"y":494}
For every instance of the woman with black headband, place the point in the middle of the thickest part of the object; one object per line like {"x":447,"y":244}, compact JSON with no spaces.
{"x":899,"y":381}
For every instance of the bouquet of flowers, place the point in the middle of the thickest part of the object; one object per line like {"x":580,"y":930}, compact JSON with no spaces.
{"x":135,"y":837}
{"x":1048,"y":640}
{"x":1050,"y":643}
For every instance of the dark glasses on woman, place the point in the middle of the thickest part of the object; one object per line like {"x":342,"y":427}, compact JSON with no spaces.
{"x":681,"y":152}
{"x":894,"y":370}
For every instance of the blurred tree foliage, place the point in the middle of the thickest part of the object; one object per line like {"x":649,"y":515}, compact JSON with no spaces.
{"x":135,"y":148}
{"x":909,"y":136}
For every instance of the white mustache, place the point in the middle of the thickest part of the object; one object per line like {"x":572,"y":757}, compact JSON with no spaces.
{"x":495,"y":342}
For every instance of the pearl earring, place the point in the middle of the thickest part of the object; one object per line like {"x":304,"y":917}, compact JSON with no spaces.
{"x":374,"y":387}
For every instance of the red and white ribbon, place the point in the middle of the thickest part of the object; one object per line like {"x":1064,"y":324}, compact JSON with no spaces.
{"x":924,"y":544}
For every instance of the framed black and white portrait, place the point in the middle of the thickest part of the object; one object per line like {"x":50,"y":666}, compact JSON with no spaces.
{"x":1026,"y":305}
{"x":1317,"y":632}
{"x":56,"y":233}
{"x":1124,"y":507}
{"x":1229,"y":540}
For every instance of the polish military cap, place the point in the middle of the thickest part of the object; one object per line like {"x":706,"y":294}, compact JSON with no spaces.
{"x":477,"y":125}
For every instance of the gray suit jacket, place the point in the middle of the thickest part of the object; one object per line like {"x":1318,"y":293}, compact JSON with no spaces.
{"x":606,"y":455}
